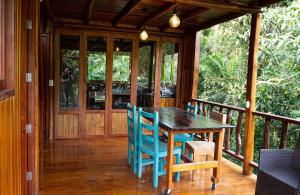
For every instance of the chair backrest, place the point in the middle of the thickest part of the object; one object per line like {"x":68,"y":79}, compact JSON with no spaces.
{"x":218,"y":117}
{"x":191,"y":108}
{"x":142,"y":126}
{"x":296,"y":156}
{"x":131,"y":122}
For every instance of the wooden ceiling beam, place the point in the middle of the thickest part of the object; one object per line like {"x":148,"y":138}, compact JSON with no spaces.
{"x":48,"y":8}
{"x":89,"y":10}
{"x":219,"y":5}
{"x":152,"y":17}
{"x":188,"y":16}
{"x":131,"y":5}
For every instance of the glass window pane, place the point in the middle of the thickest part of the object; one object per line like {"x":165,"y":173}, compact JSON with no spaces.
{"x":169,"y":69}
{"x":96,"y":73}
{"x":146,"y":74}
{"x":69,"y":71}
{"x":121,"y":73}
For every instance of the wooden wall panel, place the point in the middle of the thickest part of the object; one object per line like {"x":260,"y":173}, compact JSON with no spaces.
{"x":10,"y":148}
{"x":68,"y":126}
{"x":167,"y":102}
{"x":119,"y":123}
{"x":94,"y":124}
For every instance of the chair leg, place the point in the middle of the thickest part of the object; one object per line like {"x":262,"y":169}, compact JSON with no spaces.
{"x":135,"y":159}
{"x":177,"y":176}
{"x":155,"y":172}
{"x":129,"y":153}
{"x":183,"y":147}
{"x":139,"y":164}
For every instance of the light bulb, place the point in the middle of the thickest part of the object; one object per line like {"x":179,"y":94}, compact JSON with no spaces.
{"x":144,"y":35}
{"x":117,"y":48}
{"x":174,"y":21}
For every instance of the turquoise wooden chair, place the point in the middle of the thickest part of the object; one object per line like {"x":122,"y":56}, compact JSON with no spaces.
{"x":132,"y":136}
{"x":184,"y":137}
{"x":152,"y":146}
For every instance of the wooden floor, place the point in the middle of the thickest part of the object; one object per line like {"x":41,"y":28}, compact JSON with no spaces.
{"x":99,"y":166}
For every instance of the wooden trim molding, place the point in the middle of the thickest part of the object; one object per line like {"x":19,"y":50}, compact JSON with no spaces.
{"x":4,"y":94}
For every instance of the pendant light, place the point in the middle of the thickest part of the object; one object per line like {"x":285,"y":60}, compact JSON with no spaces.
{"x":117,"y":49}
{"x":174,"y":21}
{"x":144,"y":35}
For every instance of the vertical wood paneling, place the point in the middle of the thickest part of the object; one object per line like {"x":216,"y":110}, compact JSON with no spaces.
{"x":68,"y":126}
{"x":119,"y":123}
{"x":10,"y":150}
{"x":95,"y":124}
{"x":167,"y":102}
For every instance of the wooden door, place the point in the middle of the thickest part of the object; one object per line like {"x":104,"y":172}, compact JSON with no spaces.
{"x":68,"y":88}
{"x":122,"y":81}
{"x":95,"y":89}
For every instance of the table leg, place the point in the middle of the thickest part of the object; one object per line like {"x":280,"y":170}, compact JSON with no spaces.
{"x":170,"y":162}
{"x":218,"y":155}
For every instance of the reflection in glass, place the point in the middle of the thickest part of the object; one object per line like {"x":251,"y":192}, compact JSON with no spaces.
{"x":146,"y":74}
{"x":121,"y":73}
{"x":169,"y":69}
{"x":69,"y":71}
{"x":96,"y":71}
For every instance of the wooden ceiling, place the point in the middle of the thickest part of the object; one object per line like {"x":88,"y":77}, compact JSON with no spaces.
{"x":151,"y":14}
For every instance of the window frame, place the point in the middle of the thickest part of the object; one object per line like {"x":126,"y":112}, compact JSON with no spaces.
{"x":7,"y":48}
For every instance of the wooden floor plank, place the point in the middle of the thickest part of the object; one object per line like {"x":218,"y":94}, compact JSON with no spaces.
{"x":99,"y":166}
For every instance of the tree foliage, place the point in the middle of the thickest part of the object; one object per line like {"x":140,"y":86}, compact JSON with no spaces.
{"x":223,"y":67}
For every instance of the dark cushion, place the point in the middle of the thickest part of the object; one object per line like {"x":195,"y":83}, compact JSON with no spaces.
{"x":296,"y":157}
{"x":279,"y":181}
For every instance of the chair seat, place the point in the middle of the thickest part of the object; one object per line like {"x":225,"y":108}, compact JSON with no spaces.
{"x":163,"y":148}
{"x":286,"y":175}
{"x":201,"y":147}
{"x":182,"y":137}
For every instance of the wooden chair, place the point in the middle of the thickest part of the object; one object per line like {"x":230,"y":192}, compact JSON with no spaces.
{"x":184,"y":137}
{"x":202,"y":150}
{"x":152,"y":146}
{"x":132,"y":136}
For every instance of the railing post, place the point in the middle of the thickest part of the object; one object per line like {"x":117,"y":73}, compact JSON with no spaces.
{"x":267,"y":133}
{"x":251,"y":93}
{"x":238,"y":139}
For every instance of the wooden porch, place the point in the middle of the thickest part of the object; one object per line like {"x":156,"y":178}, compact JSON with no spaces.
{"x":83,"y":167}
{"x":61,"y":141}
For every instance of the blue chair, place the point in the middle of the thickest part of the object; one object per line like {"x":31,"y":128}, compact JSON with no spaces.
{"x":152,"y":146}
{"x":184,"y":137}
{"x":132,"y":136}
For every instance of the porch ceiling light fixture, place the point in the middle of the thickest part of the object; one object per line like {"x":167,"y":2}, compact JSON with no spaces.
{"x":144,"y":35}
{"x":174,"y":21}
{"x":117,"y":49}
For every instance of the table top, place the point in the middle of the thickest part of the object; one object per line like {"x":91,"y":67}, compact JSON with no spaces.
{"x":176,"y":119}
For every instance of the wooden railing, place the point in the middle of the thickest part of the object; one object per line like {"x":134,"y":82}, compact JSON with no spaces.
{"x":206,"y":106}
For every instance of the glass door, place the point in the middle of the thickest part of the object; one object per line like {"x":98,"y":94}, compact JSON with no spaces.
{"x":68,"y":94}
{"x":121,"y":83}
{"x":95,"y":84}
{"x":146,"y":73}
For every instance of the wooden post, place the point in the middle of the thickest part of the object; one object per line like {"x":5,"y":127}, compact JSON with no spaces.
{"x":251,"y":93}
{"x":196,"y":66}
{"x":190,"y":68}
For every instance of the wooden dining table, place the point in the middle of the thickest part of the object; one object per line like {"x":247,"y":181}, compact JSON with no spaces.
{"x":176,"y":121}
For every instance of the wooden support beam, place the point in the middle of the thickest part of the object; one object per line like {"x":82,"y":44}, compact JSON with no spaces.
{"x":131,"y":5}
{"x":219,"y":5}
{"x":152,"y":17}
{"x":89,"y":10}
{"x":251,"y":93}
{"x":48,"y":8}
{"x":188,"y":16}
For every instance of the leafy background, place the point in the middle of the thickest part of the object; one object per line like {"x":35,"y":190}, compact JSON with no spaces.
{"x":223,"y":68}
